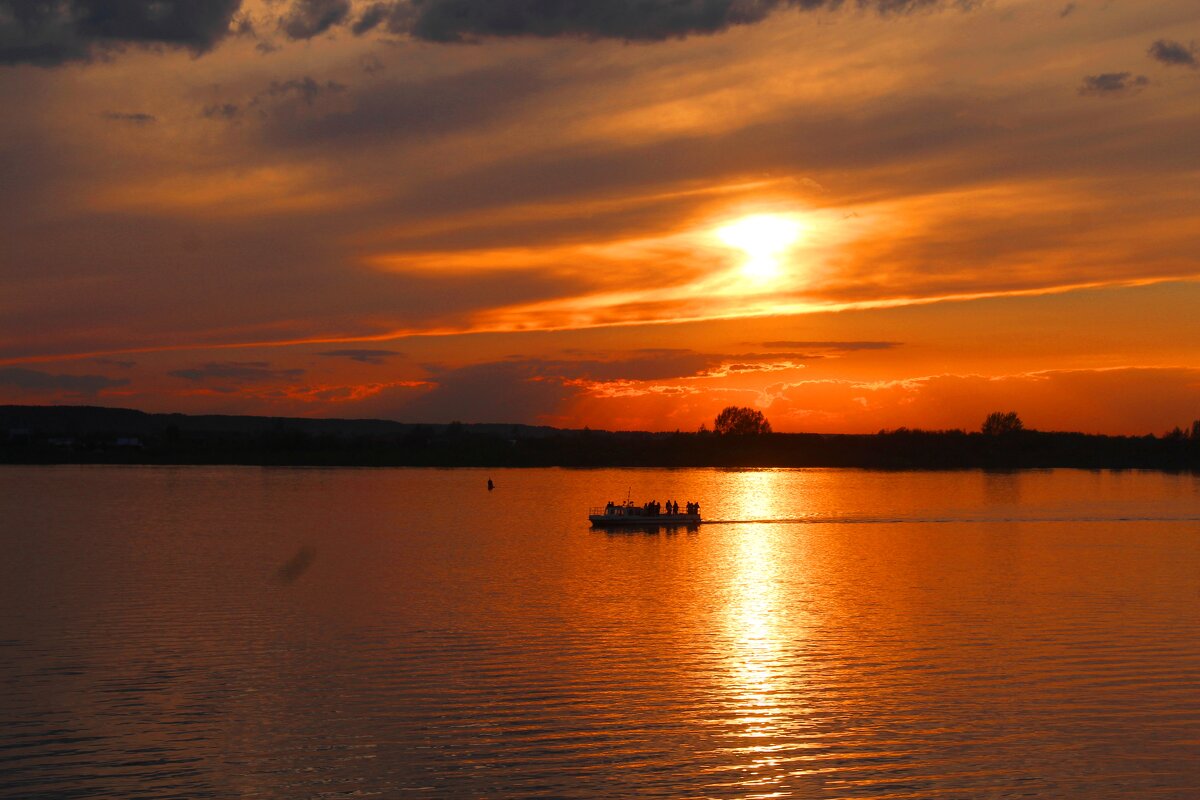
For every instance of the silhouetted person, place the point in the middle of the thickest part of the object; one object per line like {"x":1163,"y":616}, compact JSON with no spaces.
{"x":491,"y":485}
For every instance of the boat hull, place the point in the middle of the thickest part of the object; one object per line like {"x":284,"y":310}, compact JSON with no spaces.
{"x":642,"y":520}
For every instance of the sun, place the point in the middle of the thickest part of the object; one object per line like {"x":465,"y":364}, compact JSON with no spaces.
{"x":765,"y":239}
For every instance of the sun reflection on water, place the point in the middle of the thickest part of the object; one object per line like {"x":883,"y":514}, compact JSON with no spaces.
{"x":760,"y":495}
{"x":761,"y":707}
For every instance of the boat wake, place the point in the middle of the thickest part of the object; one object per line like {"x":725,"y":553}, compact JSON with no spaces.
{"x":835,"y":520}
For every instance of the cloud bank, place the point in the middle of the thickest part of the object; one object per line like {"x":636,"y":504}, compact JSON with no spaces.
{"x":236,"y":371}
{"x":53,"y":32}
{"x":309,"y":18}
{"x":362,"y":356}
{"x":630,"y":20}
{"x":36,"y":381}
{"x":50,"y":32}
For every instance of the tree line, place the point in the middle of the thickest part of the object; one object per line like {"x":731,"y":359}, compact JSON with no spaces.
{"x":740,"y":437}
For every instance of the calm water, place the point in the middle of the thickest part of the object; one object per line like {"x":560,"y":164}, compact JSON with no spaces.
{"x":292,"y":633}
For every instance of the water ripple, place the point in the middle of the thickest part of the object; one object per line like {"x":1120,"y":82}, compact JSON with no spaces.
{"x":335,"y":634}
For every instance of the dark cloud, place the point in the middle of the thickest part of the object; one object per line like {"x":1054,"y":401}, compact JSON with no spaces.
{"x":826,"y":345}
{"x":399,"y":110}
{"x":50,"y":32}
{"x":642,"y":365}
{"x":667,"y":364}
{"x":645,"y":20}
{"x":517,"y":391}
{"x":278,"y":94}
{"x":236,"y":371}
{"x":458,"y":20}
{"x":35,"y":381}
{"x":372,"y":64}
{"x":362,"y":356}
{"x":243,"y":25}
{"x":309,"y":18}
{"x":1173,"y":53}
{"x":370,"y":18}
{"x":529,"y":389}
{"x":222,"y":111}
{"x":646,"y":365}
{"x":1112,"y":83}
{"x":134,"y":118}
{"x":304,"y":88}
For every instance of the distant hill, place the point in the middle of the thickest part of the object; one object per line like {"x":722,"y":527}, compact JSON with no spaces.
{"x":101,"y":421}
{"x":89,"y":434}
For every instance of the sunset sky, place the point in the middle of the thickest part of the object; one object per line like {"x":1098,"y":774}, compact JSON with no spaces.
{"x":624,"y":214}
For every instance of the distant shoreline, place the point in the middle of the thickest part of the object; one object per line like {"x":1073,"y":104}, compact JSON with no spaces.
{"x":96,"y":435}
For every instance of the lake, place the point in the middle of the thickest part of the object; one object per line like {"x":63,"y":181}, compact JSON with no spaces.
{"x":309,"y":633}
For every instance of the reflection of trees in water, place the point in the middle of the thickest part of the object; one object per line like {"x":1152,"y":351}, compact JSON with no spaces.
{"x":1002,"y":488}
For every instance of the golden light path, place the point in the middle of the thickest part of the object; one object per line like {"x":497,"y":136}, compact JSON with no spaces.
{"x":759,"y":688}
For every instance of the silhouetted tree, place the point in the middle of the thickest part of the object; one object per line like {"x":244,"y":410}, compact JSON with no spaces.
{"x":999,"y":423}
{"x":1196,"y":430}
{"x":741,"y":420}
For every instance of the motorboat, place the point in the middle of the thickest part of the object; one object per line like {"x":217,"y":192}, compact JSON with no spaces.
{"x":629,"y":514}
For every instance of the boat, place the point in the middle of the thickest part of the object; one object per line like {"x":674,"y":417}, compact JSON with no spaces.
{"x":629,"y":514}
